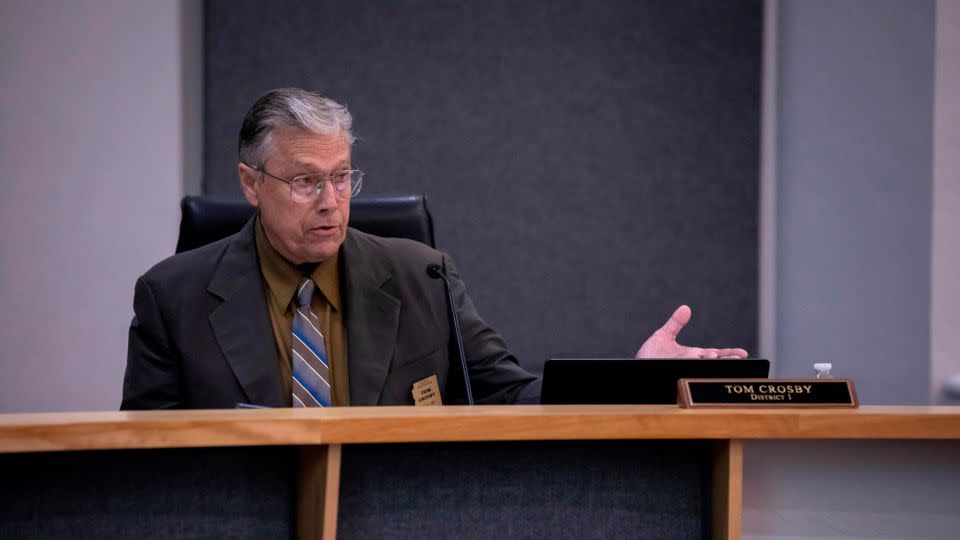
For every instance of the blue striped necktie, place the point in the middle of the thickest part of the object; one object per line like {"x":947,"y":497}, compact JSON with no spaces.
{"x":311,"y":369}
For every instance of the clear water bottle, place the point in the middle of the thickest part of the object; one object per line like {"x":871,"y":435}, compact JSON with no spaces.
{"x":823,"y":370}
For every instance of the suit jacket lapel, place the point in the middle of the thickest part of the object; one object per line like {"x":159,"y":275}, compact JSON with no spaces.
{"x":242,"y":322}
{"x":371,"y":316}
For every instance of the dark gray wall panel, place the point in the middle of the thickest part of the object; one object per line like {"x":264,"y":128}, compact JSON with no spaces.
{"x":590,"y":165}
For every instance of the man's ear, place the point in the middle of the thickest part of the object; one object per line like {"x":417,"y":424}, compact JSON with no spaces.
{"x":249,"y":183}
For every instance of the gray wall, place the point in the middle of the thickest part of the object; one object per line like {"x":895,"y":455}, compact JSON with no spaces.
{"x":91,"y":154}
{"x":945,"y":287}
{"x":854,"y":116}
{"x":851,"y":490}
{"x":854,"y":136}
{"x":590,"y":165}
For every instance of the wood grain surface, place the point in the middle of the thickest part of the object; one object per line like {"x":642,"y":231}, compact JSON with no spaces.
{"x":37,"y":432}
{"x":318,"y":489}
{"x":727,"y":490}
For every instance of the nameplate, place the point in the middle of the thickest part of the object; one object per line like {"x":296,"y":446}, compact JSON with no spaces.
{"x":426,"y":392}
{"x":789,"y":393}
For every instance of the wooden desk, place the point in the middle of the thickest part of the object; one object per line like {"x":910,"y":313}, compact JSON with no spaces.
{"x":321,"y":433}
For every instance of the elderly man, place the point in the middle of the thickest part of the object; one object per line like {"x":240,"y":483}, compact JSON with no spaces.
{"x":297,"y":309}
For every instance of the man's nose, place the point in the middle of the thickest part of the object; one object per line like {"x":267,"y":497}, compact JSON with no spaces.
{"x":327,"y":198}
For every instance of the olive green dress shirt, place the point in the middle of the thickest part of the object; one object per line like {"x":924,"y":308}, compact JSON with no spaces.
{"x":280,"y":279}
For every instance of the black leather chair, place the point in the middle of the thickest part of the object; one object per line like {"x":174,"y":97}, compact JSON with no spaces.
{"x":207,"y":220}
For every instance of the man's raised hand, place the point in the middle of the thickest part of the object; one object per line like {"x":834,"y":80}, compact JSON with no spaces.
{"x":663,"y":342}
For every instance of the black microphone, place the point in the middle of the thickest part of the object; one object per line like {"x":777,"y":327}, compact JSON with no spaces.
{"x":436,"y":272}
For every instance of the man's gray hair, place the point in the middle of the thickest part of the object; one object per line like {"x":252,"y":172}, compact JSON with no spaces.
{"x":290,"y":107}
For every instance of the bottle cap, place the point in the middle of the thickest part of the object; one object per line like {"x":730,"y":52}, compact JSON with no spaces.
{"x":823,"y":367}
{"x":952,"y":387}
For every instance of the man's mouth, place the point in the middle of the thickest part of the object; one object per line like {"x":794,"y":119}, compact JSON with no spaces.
{"x":325,"y":229}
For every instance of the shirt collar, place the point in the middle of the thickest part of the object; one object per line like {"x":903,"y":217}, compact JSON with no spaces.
{"x":282,"y":277}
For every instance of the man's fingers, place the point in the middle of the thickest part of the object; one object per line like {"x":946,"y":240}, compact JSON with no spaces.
{"x":677,"y":321}
{"x":720,"y":353}
{"x":735,"y":353}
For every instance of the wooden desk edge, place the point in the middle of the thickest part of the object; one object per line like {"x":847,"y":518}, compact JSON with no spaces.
{"x":175,"y":429}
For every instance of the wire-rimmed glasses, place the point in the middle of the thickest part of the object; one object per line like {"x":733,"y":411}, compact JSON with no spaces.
{"x":306,"y":187}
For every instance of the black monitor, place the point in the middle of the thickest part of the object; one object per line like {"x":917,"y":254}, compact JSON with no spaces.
{"x":620,"y":380}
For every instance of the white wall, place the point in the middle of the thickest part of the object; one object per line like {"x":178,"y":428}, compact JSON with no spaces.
{"x":92,"y":161}
{"x":866,"y":151}
{"x":945,"y":277}
{"x":861,"y":193}
{"x":851,"y":490}
{"x":853,"y":189}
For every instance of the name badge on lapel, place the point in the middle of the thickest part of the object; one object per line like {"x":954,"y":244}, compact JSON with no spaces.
{"x":426,"y":392}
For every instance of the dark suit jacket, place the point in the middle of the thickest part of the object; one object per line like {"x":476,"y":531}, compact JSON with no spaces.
{"x":201,"y":334}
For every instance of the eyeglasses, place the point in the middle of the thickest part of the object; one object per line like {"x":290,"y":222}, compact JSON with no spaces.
{"x":306,"y":187}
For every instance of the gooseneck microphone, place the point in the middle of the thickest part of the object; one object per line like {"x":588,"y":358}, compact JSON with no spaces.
{"x":436,"y":272}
